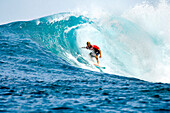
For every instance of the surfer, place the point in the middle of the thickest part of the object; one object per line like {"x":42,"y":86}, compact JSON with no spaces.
{"x":96,"y":51}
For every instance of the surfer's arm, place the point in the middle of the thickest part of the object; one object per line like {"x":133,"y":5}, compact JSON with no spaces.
{"x":84,"y":47}
{"x":100,"y":53}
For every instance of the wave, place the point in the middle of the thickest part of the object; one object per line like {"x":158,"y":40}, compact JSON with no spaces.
{"x":129,"y":46}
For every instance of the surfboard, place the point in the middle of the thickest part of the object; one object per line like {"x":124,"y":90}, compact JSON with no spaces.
{"x":98,"y":66}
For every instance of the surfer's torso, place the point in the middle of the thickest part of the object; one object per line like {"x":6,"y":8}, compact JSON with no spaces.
{"x":94,"y":48}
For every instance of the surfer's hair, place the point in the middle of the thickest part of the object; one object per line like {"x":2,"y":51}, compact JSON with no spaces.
{"x":88,"y":43}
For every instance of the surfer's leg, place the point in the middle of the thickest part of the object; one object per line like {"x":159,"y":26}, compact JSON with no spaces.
{"x":96,"y":56}
{"x":91,"y":56}
{"x":97,"y":59}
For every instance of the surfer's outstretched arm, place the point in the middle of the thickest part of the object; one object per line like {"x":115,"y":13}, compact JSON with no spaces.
{"x":84,"y":47}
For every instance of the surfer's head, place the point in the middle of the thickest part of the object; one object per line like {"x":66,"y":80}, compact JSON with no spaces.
{"x":88,"y":44}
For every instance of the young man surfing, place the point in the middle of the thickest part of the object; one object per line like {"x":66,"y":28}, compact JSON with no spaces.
{"x":96,"y":51}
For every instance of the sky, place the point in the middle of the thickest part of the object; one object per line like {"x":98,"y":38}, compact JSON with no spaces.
{"x":16,"y":10}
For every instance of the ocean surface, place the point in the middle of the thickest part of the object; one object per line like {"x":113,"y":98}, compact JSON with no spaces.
{"x":44,"y":69}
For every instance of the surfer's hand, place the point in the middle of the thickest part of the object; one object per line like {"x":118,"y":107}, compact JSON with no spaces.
{"x":100,"y":56}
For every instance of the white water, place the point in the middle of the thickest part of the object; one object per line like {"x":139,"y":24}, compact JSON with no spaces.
{"x":156,"y":21}
{"x":140,"y":50}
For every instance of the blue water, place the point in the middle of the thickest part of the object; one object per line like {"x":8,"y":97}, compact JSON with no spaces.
{"x":42,"y":67}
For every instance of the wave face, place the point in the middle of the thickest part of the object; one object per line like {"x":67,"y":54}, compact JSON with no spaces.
{"x":127,"y":48}
{"x":43,"y":68}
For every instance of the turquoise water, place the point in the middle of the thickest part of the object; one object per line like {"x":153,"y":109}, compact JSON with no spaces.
{"x":42,"y":67}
